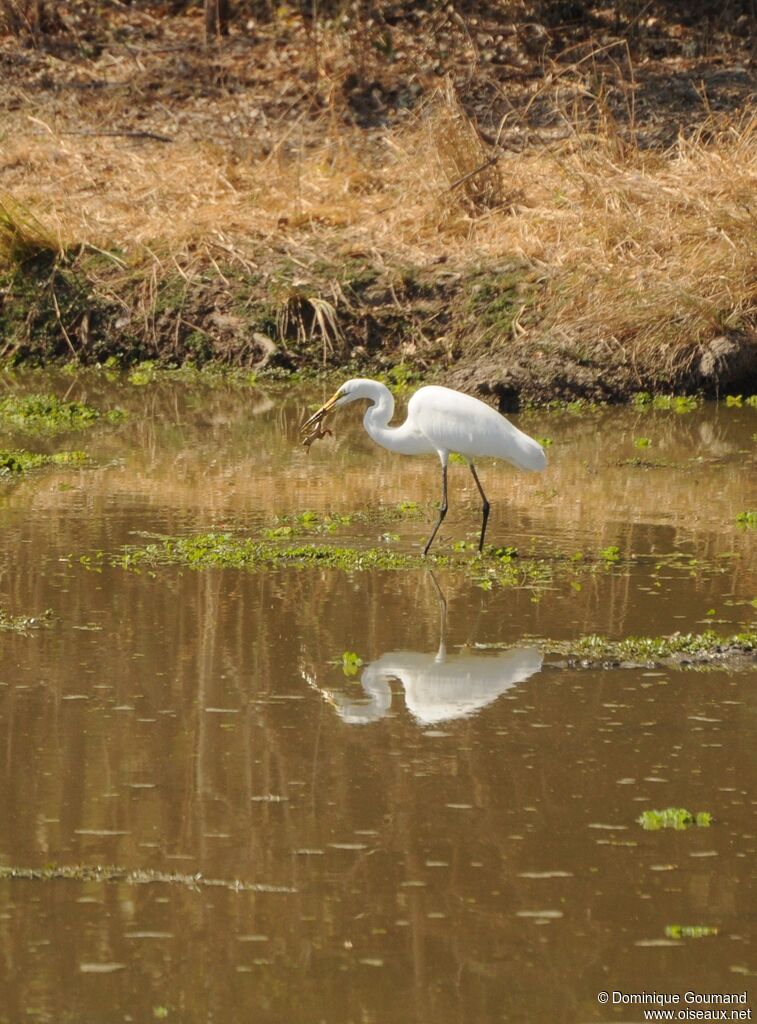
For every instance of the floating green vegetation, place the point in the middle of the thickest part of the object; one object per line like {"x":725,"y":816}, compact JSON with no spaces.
{"x":211,"y":374}
{"x":678,"y":650}
{"x":19,"y":461}
{"x":575,"y":407}
{"x":224,"y":550}
{"x":652,"y":649}
{"x":51,"y":415}
{"x":23,"y":623}
{"x":736,"y":401}
{"x":501,"y":567}
{"x":350,"y":663}
{"x":303,"y":523}
{"x":747,"y":519}
{"x":689,"y":931}
{"x":642,"y":442}
{"x":89,"y":873}
{"x":610,"y":554}
{"x":677,"y":818}
{"x":674,"y":403}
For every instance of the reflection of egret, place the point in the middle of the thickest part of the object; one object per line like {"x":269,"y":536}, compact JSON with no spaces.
{"x":438,"y":687}
{"x":438,"y":420}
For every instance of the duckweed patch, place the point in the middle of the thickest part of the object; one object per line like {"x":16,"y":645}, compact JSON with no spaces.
{"x":150,"y":371}
{"x":679,"y":649}
{"x":47,"y":414}
{"x":19,"y":461}
{"x":677,"y":818}
{"x":660,"y":648}
{"x":309,"y":522}
{"x":224,"y":550}
{"x":689,"y":931}
{"x":351,"y":663}
{"x":501,"y":567}
{"x":672,"y":403}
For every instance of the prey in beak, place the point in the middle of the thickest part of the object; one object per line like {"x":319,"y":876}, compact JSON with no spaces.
{"x":313,"y":427}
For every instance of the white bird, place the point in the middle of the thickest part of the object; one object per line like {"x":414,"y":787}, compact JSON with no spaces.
{"x":438,"y":420}
{"x":438,"y":687}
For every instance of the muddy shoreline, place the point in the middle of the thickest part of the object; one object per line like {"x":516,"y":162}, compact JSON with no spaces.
{"x":522,"y":205}
{"x":415,"y":323}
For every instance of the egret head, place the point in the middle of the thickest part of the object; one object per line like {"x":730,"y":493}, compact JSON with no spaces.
{"x":350,"y":391}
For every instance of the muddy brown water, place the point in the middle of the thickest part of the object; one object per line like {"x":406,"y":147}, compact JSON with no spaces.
{"x":448,"y":835}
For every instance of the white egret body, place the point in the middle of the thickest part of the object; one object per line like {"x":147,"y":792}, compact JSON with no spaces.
{"x":443,"y":421}
{"x":437,"y":688}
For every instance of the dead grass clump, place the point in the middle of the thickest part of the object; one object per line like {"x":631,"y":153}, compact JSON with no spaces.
{"x":473,"y":182}
{"x":23,"y":238}
{"x":656,"y":254}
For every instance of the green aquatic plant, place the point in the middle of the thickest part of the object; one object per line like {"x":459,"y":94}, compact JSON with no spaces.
{"x":610,"y":554}
{"x":747,"y":519}
{"x":302,"y":523}
{"x":351,"y":663}
{"x":642,"y":442}
{"x":143,"y":373}
{"x":18,"y":461}
{"x":689,"y":931}
{"x":49,"y":414}
{"x":273,"y":550}
{"x":733,"y":401}
{"x":678,"y":650}
{"x":224,"y":550}
{"x":677,"y":818}
{"x":675,"y":403}
{"x":651,"y":649}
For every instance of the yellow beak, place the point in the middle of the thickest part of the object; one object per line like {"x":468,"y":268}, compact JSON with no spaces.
{"x":318,"y":416}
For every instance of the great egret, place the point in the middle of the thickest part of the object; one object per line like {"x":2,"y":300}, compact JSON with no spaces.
{"x":438,"y":420}
{"x":438,"y":687}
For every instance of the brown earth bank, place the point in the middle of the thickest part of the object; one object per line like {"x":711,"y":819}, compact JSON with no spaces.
{"x":531,"y":201}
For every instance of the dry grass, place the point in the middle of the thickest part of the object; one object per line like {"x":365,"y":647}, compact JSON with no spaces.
{"x":23,"y":237}
{"x":654,"y":252}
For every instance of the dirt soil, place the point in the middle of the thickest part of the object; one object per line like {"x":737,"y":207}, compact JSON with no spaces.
{"x":305,"y":292}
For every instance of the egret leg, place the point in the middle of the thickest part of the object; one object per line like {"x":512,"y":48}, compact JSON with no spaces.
{"x":442,"y":510}
{"x":485,"y":509}
{"x":442,"y":652}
